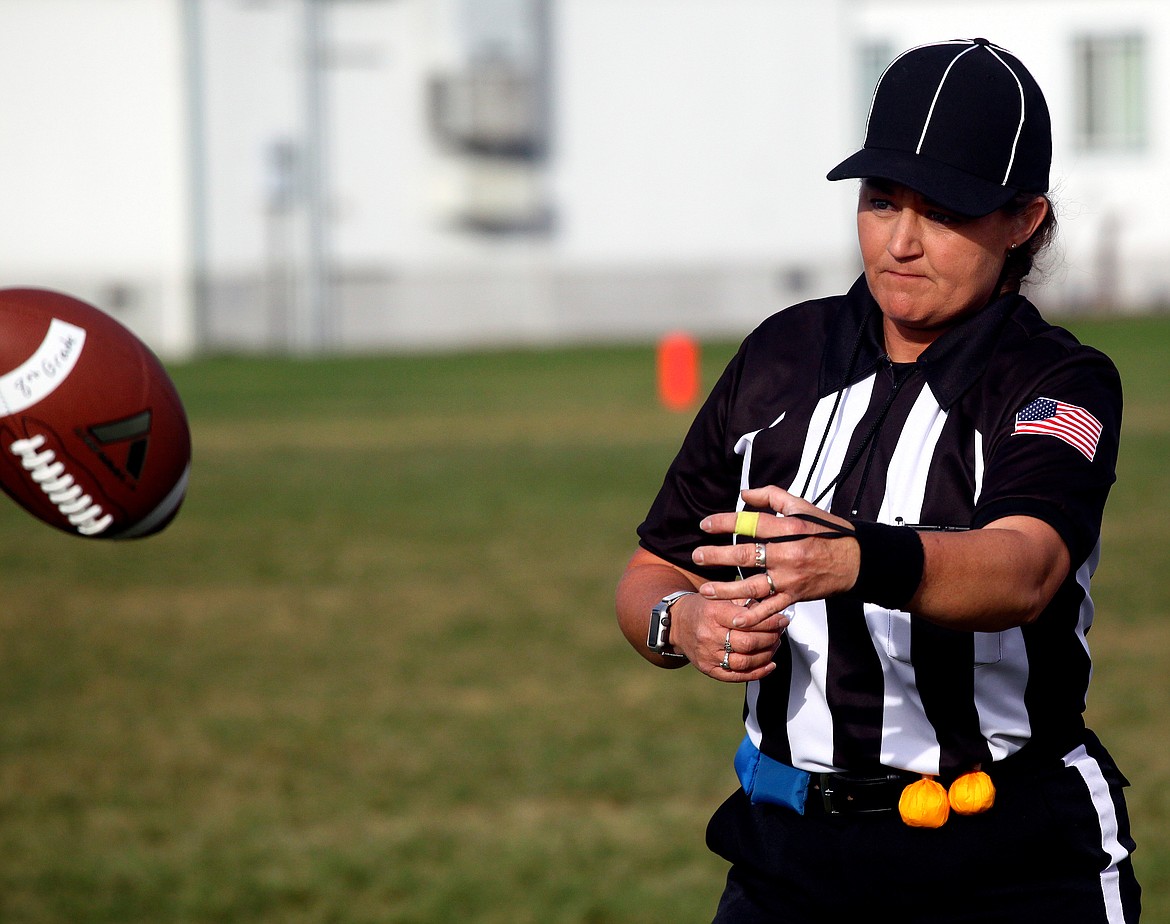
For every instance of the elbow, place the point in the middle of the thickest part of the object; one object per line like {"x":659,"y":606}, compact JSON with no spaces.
{"x":1036,"y":598}
{"x":1007,"y":614}
{"x":1029,"y":614}
{"x":1036,"y":605}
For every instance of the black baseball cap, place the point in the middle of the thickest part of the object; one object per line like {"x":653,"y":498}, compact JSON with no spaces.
{"x":962,"y":122}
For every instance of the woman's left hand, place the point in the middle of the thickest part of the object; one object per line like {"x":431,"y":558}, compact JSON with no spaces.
{"x":802,"y":563}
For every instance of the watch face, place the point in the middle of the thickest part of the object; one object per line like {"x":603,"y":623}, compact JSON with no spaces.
{"x":659,"y":636}
{"x":659,"y":628}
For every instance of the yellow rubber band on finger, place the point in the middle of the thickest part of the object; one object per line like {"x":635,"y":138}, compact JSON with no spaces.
{"x":746,"y":523}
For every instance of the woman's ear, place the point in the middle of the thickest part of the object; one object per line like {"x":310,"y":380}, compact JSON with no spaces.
{"x":1028,"y":220}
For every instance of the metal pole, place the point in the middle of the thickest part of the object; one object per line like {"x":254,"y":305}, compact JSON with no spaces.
{"x":316,"y":327}
{"x":197,"y":172}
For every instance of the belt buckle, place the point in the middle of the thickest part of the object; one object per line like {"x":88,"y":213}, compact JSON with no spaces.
{"x":848,"y":799}
{"x":827,"y":794}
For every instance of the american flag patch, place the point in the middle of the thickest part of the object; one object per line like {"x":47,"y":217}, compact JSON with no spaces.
{"x":1067,"y":422}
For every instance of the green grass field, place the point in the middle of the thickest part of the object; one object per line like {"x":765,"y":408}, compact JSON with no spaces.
{"x":372,"y":674}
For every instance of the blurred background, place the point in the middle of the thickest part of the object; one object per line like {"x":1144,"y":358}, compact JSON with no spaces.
{"x":333,"y":175}
{"x":409,"y":263}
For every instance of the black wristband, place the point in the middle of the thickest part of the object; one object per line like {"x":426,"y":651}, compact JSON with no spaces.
{"x":892,"y":559}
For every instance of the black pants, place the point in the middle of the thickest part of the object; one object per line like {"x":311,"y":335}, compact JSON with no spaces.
{"x":1055,"y":847}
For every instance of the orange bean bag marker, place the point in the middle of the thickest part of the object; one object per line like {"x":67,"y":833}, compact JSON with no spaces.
{"x":924,"y":804}
{"x":972,"y":793}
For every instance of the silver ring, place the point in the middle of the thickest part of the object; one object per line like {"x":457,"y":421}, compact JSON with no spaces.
{"x":727,"y":642}
{"x":761,"y":555}
{"x":725,"y":664}
{"x":771,"y":585}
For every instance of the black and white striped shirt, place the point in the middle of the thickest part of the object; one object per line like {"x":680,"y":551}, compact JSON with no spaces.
{"x":956,"y":440}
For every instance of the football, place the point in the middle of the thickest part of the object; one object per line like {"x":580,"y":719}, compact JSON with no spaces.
{"x":94,"y":438}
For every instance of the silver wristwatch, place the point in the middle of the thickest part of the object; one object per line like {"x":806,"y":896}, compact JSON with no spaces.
{"x":658,"y":639}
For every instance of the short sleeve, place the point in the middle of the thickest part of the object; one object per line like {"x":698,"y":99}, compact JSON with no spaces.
{"x":1053,"y":453}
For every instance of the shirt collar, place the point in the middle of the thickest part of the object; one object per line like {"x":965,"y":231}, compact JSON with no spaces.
{"x":950,"y":365}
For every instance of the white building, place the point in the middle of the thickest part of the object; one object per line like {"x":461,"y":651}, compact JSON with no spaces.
{"x":399,"y":174}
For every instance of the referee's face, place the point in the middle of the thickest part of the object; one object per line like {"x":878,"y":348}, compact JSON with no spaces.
{"x":927,"y":267}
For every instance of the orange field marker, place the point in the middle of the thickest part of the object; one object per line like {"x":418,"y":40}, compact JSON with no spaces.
{"x":678,"y":371}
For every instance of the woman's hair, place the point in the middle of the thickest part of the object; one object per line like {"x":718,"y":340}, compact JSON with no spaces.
{"x":1021,"y":259}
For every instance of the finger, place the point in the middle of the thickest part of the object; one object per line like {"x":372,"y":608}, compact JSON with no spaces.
{"x":760,"y":587}
{"x":742,"y":668}
{"x":751,"y":525}
{"x":770,"y":497}
{"x":772,"y":614}
{"x":789,"y":505}
{"x":743,"y":554}
{"x":775,"y":623}
{"x":745,"y":651}
{"x":754,"y":642}
{"x":744,"y":523}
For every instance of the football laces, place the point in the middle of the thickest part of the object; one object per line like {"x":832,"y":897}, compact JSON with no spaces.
{"x":60,"y":487}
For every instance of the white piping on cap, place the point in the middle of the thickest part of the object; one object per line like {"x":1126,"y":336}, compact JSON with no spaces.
{"x":937,"y":93}
{"x":908,"y":51}
{"x":1023,"y":115}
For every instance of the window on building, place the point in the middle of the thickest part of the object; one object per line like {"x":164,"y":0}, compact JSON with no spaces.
{"x":1110,"y":83}
{"x":490,"y":109}
{"x":872,"y":59}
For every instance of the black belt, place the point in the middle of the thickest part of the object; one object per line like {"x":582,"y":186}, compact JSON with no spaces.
{"x":856,"y":793}
{"x":770,"y":781}
{"x":862,"y":793}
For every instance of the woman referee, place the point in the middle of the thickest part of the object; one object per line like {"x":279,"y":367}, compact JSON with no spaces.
{"x":884,"y":521}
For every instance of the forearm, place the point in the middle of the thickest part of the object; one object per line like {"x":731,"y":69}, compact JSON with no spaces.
{"x":646,"y":580}
{"x":990,"y":579}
